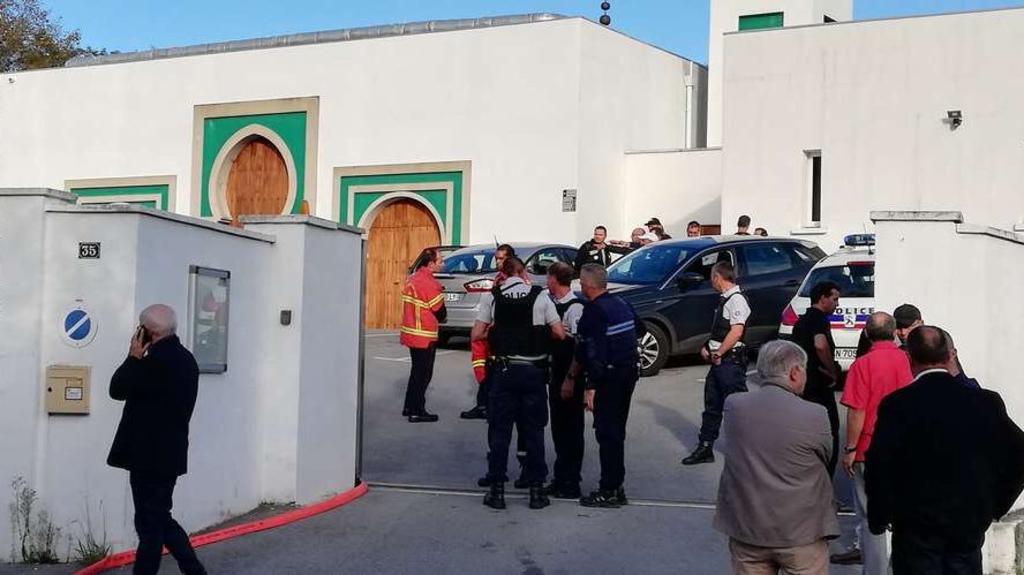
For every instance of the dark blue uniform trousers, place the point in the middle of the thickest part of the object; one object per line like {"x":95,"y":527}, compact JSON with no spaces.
{"x":611,"y":411}
{"x":567,"y":426}
{"x":518,"y":395}
{"x":722,"y":381}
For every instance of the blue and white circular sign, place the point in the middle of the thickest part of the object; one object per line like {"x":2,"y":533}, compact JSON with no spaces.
{"x":78,"y":326}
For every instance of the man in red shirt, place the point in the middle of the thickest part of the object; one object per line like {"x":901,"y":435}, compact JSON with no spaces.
{"x":883,"y":370}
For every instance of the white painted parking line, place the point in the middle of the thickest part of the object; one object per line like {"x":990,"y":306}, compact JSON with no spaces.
{"x":429,"y":490}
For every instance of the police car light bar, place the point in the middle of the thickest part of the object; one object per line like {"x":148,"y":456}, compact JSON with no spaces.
{"x":854,"y":240}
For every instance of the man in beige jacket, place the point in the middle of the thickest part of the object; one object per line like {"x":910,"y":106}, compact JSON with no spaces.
{"x":775,"y":496}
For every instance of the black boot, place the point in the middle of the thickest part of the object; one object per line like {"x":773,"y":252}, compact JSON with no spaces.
{"x":484,"y":481}
{"x":423,"y":417}
{"x":604,"y":498}
{"x":561,"y":490}
{"x":538,"y":500}
{"x":703,"y":454}
{"x":495,"y":498}
{"x":620,"y":496}
{"x":478,"y":412}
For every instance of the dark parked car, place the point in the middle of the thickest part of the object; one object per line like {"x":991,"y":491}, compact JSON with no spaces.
{"x":668,"y":283}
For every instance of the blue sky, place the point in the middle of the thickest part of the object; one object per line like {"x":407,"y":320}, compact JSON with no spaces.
{"x":677,"y":25}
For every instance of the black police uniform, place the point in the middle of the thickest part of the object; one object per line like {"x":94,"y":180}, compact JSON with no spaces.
{"x":606,"y":348}
{"x":819,"y":388}
{"x":724,"y":379}
{"x":517,"y":386}
{"x":567,"y":418}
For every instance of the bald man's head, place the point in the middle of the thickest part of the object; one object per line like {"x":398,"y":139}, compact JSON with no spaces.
{"x":881,"y":327}
{"x":160,"y":320}
{"x":928,"y":348}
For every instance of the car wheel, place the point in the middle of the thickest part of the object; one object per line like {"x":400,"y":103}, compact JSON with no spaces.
{"x":654,"y":349}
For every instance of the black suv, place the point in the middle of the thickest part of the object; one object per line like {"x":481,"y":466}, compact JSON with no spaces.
{"x":668,"y":284}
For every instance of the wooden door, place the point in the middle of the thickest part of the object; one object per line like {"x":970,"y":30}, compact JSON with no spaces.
{"x":258,"y":180}
{"x":397,"y":235}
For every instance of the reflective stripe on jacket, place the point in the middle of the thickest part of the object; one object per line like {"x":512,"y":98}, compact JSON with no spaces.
{"x":421,"y":297}
{"x":479,"y":352}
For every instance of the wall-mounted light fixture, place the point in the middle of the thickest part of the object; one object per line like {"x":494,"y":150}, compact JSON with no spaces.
{"x":954,"y":118}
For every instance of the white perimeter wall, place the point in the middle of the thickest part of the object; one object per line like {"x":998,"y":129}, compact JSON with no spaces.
{"x":986,"y":265}
{"x":279,"y":425}
{"x":312,"y":447}
{"x":872,"y":96}
{"x":22,"y":243}
{"x":537,"y":108}
{"x":676,"y":187}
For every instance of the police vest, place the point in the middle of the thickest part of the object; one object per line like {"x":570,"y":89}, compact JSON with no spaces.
{"x":719,"y":326}
{"x":513,"y":332}
{"x":563,"y":350}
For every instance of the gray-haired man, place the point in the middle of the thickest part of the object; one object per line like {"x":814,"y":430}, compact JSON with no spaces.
{"x":770,"y":434}
{"x":158,"y":383}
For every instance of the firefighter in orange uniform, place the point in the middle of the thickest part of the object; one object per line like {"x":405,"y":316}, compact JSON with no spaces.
{"x":422,"y":309}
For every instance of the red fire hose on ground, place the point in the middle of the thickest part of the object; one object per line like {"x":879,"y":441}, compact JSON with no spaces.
{"x":128,"y":557}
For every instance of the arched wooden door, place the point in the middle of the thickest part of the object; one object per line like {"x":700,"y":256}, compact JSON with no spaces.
{"x":258,"y":180}
{"x":398,"y":234}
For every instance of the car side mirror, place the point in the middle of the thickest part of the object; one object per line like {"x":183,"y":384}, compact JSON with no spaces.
{"x":689,"y":280}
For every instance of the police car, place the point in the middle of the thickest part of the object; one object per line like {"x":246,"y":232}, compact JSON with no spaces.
{"x":852,"y":268}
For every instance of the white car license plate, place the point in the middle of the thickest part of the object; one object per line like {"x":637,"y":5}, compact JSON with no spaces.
{"x":846,"y":353}
{"x":452,"y":297}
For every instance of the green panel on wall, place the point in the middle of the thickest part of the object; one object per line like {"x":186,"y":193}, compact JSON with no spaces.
{"x":289,"y":126}
{"x":125,"y":194}
{"x":436,"y":198}
{"x":760,"y":21}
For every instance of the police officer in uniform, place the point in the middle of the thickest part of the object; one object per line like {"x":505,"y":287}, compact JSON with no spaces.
{"x":608,"y":363}
{"x":567,"y":419}
{"x":727,"y":355}
{"x":519,"y":323}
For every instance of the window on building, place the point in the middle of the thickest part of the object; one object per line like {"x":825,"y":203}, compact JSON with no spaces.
{"x":814,"y":187}
{"x":760,"y":21}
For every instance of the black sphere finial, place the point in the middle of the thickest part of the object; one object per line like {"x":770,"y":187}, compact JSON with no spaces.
{"x":606,"y":6}
{"x":605,"y":18}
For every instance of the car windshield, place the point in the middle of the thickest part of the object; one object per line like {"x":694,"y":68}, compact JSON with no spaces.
{"x":650,"y":265}
{"x":463,"y":262}
{"x":855,"y":279}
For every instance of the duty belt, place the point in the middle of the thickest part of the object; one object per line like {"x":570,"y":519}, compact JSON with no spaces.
{"x":736,"y":354}
{"x":504,"y":362}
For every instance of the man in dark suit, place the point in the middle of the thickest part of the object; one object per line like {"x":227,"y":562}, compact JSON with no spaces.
{"x":944,"y":462}
{"x":158,"y":382}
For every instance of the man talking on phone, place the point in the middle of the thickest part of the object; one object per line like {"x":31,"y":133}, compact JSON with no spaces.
{"x":158,"y":383}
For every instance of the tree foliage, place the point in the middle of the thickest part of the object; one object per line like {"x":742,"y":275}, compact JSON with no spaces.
{"x":31,"y":38}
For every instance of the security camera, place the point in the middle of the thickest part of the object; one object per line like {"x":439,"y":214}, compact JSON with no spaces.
{"x":954,"y":118}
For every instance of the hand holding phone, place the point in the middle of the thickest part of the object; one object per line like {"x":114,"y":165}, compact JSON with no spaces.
{"x":140,"y":342}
